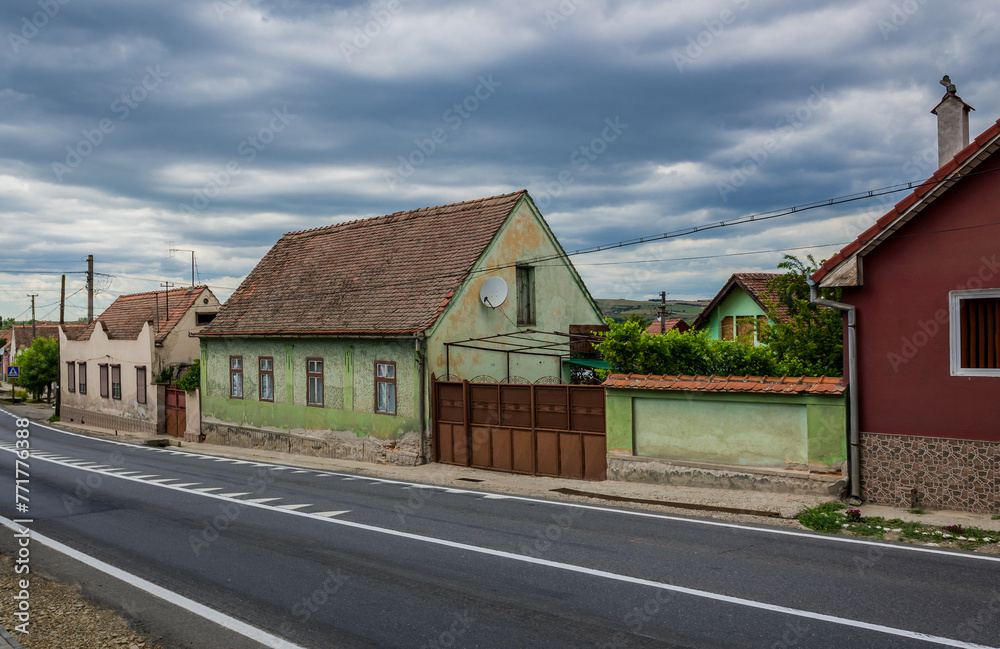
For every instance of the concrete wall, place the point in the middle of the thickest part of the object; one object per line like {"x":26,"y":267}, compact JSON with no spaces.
{"x":737,"y":303}
{"x":99,"y":350}
{"x":349,"y":386}
{"x":738,"y":429}
{"x":561,"y":300}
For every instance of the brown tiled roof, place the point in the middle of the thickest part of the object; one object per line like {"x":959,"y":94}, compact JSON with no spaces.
{"x":923,"y":195}
{"x":672,"y":323}
{"x":384,"y":275}
{"x":755,"y":285}
{"x":771,"y":384}
{"x":123,"y":320}
{"x":43,"y":329}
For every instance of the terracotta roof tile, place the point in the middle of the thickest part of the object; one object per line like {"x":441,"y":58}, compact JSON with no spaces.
{"x":43,"y":329}
{"x":756,"y":285}
{"x":769,"y":384}
{"x":123,"y":320}
{"x":389,"y":274}
{"x":920,"y":193}
{"x":670,"y":324}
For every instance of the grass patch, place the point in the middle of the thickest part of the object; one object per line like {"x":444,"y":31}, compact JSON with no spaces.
{"x":918,"y":512}
{"x":832,"y":518}
{"x":53,"y":419}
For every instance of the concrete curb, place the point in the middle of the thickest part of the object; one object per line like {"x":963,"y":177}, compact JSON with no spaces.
{"x":6,"y":640}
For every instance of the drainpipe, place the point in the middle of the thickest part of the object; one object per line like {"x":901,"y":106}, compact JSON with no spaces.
{"x":854,"y":447}
{"x":417,"y":345}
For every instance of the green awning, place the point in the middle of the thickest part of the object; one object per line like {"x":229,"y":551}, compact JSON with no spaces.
{"x":597,"y":364}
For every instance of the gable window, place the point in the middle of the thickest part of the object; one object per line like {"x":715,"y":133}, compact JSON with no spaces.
{"x":525,"y":278}
{"x":116,"y":381}
{"x":975,"y":332}
{"x":314,"y":380}
{"x":103,"y":367}
{"x":203,"y":318}
{"x":266,"y":380}
{"x":70,"y":376}
{"x":140,"y":385}
{"x":83,"y":378}
{"x":385,"y":387}
{"x":236,"y":377}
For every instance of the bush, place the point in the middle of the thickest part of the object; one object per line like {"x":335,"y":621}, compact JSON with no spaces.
{"x":192,"y":379}
{"x":823,"y":518}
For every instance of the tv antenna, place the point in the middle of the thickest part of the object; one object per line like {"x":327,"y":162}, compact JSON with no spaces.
{"x":171,"y":250}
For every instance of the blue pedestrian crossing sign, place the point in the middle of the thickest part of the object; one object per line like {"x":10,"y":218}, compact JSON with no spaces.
{"x":13,"y":372}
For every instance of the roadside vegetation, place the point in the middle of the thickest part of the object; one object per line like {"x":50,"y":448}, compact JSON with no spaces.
{"x":835,"y":518}
{"x":807,"y":340}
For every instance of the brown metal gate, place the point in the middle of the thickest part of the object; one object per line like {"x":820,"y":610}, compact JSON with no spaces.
{"x":176,"y":412}
{"x":554,"y":430}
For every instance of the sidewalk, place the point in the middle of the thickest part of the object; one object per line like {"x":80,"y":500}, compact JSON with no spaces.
{"x":757,"y":507}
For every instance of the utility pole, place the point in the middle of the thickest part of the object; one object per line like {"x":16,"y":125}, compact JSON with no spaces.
{"x":62,"y":301}
{"x":663,"y":312}
{"x":33,"y":296}
{"x":166,"y":299}
{"x":90,"y":288}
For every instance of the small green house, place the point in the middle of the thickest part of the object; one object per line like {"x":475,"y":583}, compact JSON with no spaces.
{"x":739,"y":309}
{"x":330,"y":345}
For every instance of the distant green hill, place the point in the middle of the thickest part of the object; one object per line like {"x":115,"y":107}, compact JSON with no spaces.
{"x":622,"y":309}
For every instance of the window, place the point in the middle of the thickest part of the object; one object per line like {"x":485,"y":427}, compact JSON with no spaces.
{"x":727,"y":330}
{"x":140,"y":385}
{"x":83,"y":378}
{"x":525,"y":277}
{"x":203,"y":318}
{"x":104,"y":379}
{"x":314,"y":378}
{"x":975,"y":332}
{"x":70,"y":376}
{"x":266,"y":365}
{"x":385,"y":388}
{"x":236,"y":377}
{"x":116,"y":381}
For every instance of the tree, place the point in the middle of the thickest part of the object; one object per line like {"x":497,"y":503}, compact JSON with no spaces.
{"x":192,"y":379}
{"x":39,"y":366}
{"x":809,"y":339}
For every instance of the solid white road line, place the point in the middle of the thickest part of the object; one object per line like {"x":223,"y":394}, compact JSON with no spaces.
{"x":223,"y":620}
{"x":293,"y":506}
{"x":329,"y":514}
{"x":256,"y":501}
{"x":234,"y":495}
{"x":207,"y":489}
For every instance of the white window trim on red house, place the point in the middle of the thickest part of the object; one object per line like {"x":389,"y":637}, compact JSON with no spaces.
{"x":955,"y":331}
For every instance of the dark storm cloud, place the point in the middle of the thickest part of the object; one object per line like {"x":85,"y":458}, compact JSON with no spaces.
{"x":220,"y":125}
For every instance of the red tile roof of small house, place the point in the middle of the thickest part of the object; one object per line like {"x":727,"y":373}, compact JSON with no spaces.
{"x":123,"y":320}
{"x":769,"y":384}
{"x":964,"y":162}
{"x":671,"y":323}
{"x":42,"y":329}
{"x":391,"y":274}
{"x":753,"y":284}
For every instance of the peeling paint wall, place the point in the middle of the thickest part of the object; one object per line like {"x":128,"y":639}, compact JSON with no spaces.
{"x":98,"y":350}
{"x":178,"y":347}
{"x":348,"y":385}
{"x":560,"y":300}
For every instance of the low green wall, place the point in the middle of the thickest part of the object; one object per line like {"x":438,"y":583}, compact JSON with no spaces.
{"x":740,"y":429}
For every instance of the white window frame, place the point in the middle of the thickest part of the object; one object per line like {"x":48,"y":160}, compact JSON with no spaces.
{"x":955,"y":331}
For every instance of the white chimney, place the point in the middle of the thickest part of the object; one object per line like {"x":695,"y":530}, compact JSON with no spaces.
{"x":953,"y":123}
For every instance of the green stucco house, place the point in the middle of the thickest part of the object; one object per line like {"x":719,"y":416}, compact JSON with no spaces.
{"x":330,"y":345}
{"x":738,"y":310}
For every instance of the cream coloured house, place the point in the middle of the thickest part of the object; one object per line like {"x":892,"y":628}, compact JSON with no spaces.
{"x":109,"y":371}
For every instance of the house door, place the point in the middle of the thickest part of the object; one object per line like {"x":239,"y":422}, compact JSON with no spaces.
{"x":176,"y":412}
{"x":554,"y":430}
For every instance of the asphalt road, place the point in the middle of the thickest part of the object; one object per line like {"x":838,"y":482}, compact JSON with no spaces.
{"x":322,"y":559}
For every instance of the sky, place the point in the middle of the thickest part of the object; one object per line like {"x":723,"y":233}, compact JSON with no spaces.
{"x":131,"y":128}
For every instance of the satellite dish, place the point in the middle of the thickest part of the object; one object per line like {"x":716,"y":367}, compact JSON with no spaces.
{"x":493,"y":292}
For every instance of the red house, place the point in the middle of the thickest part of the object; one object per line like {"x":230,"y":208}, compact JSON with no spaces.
{"x":925,"y":284}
